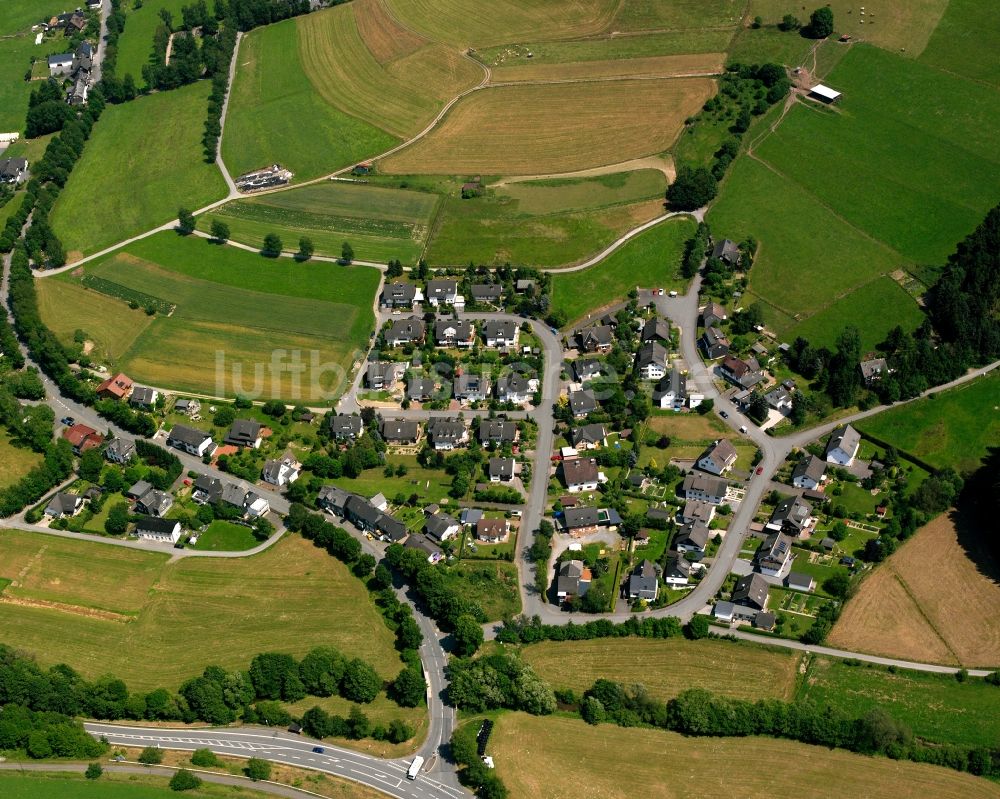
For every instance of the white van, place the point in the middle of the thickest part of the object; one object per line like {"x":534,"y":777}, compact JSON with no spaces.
{"x":415,"y":766}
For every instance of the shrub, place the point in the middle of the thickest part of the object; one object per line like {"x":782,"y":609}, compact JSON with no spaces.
{"x":184,"y":780}
{"x":151,"y":756}
{"x":204,"y":758}
{"x":94,"y":771}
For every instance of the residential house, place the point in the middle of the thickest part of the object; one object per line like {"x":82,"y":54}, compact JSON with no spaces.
{"x":501,"y":333}
{"x":405,"y":331}
{"x":81,"y":438}
{"x":501,"y":470}
{"x":572,"y":580}
{"x":138,"y":489}
{"x":692,"y":539}
{"x":586,"y":369}
{"x":487,"y":293}
{"x":497,"y":431}
{"x":705,"y":489}
{"x":281,"y":471}
{"x":712,"y":315}
{"x":677,"y":570}
{"x":346,"y":427}
{"x":724,"y":611}
{"x":194,"y":442}
{"x":333,"y":499}
{"x":713,"y":343}
{"x":671,"y":392}
{"x":381,"y":375}
{"x":233,"y":495}
{"x":524,"y":285}
{"x":420,"y":389}
{"x":188,"y":407}
{"x":809,"y":472}
{"x":779,"y":399}
{"x":118,"y":387}
{"x":446,"y":434}
{"x":423,"y":544}
{"x":13,"y":170}
{"x":244,"y":433}
{"x":580,"y":474}
{"x":742,"y":373}
{"x":873,"y":369}
{"x":643,"y":582}
{"x":799,"y":581}
{"x":637,"y":481}
{"x":695,"y":510}
{"x":492,"y":531}
{"x":152,"y":528}
{"x":441,"y":526}
{"x":470,"y":388}
{"x":718,"y":458}
{"x":144,"y":397}
{"x":401,"y":295}
{"x":582,"y":403}
{"x":470,"y":516}
{"x":60,"y":65}
{"x":64,"y":505}
{"x":656,"y":329}
{"x":442,"y":292}
{"x":206,"y":490}
{"x":391,"y":529}
{"x":514,"y":387}
{"x":774,"y":556}
{"x":589,"y":436}
{"x":78,"y":92}
{"x":459,"y":333}
{"x":728,"y":252}
{"x":362,"y":514}
{"x":792,"y":516}
{"x":400,"y":432}
{"x":765,"y":621}
{"x":120,"y":450}
{"x":154,"y":503}
{"x":842,"y":448}
{"x":83,"y":58}
{"x":750,"y":594}
{"x":255,"y":506}
{"x":582,"y":521}
{"x":599,"y":338}
{"x":652,"y":361}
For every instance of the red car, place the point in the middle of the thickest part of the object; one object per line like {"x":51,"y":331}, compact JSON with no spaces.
{"x":760,"y":470}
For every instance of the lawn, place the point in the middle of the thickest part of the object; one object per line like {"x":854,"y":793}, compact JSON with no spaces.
{"x":15,"y":462}
{"x":965,"y":41}
{"x":430,"y":485}
{"x":667,"y":667}
{"x":935,"y":706}
{"x":952,"y":429}
{"x":381,"y":224}
{"x":136,"y":42}
{"x":651,"y":259}
{"x":221,"y":536}
{"x":134,"y":615}
{"x":143,"y":161}
{"x":559,"y":758}
{"x":493,"y":584}
{"x":110,"y":786}
{"x":527,"y":130}
{"x":236,"y":312}
{"x":276,"y":115}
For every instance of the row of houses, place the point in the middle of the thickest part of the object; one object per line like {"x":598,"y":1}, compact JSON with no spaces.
{"x":511,"y":387}
{"x":445,"y":291}
{"x":453,"y":333}
{"x":77,"y":66}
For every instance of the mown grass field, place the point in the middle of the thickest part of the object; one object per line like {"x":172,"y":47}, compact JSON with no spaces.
{"x":564,"y":758}
{"x":908,"y":611}
{"x":667,"y":66}
{"x":935,"y":706}
{"x":526,"y":130}
{"x":17,"y":49}
{"x":266,"y":602}
{"x":110,"y":786}
{"x":668,"y":667}
{"x":650,"y":260}
{"x":953,"y":428}
{"x":401,"y":96}
{"x":277,"y":116}
{"x":964,"y":42}
{"x":15,"y":462}
{"x":678,"y":14}
{"x":222,"y":536}
{"x":381,"y":224}
{"x":19,"y":15}
{"x":136,"y":42}
{"x":142,"y":162}
{"x":240,"y":308}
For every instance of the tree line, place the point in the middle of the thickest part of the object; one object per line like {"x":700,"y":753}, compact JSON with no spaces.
{"x":523,"y":630}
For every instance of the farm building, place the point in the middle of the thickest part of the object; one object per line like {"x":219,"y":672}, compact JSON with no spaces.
{"x":824,"y":94}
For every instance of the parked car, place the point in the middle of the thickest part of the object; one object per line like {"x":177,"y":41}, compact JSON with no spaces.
{"x":69,"y":421}
{"x":760,"y":470}
{"x":723,"y":414}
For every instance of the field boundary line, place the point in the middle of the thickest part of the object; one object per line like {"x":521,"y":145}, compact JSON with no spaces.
{"x":920,"y":611}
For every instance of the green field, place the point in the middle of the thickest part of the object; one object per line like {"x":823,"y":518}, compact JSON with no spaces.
{"x":233,"y":308}
{"x":678,"y":14}
{"x":15,"y":462}
{"x":430,"y":485}
{"x":143,"y":161}
{"x":221,"y":536}
{"x":649,"y":260}
{"x":110,"y":786}
{"x":953,"y":428}
{"x":935,"y":706}
{"x":276,"y":116}
{"x":134,"y":615}
{"x":965,"y":42}
{"x":381,"y":224}
{"x":17,"y":49}
{"x":492,"y":584}
{"x":668,"y":667}
{"x":20,"y":15}
{"x":136,"y":43}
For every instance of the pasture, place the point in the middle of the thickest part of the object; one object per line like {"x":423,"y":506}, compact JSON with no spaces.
{"x":668,"y":667}
{"x":104,"y":609}
{"x":952,"y":429}
{"x":143,"y":161}
{"x":525,"y":130}
{"x":15,"y":462}
{"x":648,"y":260}
{"x":17,"y":49}
{"x":136,"y":42}
{"x":20,"y":15}
{"x":380,"y":223}
{"x":964,"y":42}
{"x":562,"y":757}
{"x":639,"y":15}
{"x":945,"y":615}
{"x":401,"y":96}
{"x":935,"y":706}
{"x":235,"y":312}
{"x":110,"y":786}
{"x":276,"y":115}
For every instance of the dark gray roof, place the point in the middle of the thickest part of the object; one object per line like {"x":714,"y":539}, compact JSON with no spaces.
{"x":462,"y":328}
{"x":499,"y":328}
{"x":360,"y":508}
{"x":502,"y":468}
{"x":243,"y":433}
{"x":441,"y":428}
{"x":601,"y":335}
{"x":588,"y":434}
{"x":574,"y":518}
{"x":409,"y":329}
{"x":498,"y":430}
{"x":210,"y":486}
{"x":121,"y":448}
{"x":423,"y":544}
{"x":486,"y":291}
{"x":437,"y":524}
{"x":652,"y":353}
{"x":64,"y":502}
{"x":726,"y":250}
{"x":578,"y":471}
{"x":464,"y":385}
{"x":656,"y":328}
{"x":391,"y":527}
{"x":399,"y":294}
{"x":795,"y":512}
{"x":233,"y":494}
{"x":441,"y":289}
{"x":333,"y":497}
{"x":187,"y":435}
{"x":512,"y":383}
{"x":643,"y":580}
{"x":810,"y":466}
{"x":677,"y":566}
{"x":693,"y":534}
{"x":585,"y":368}
{"x":142,"y":395}
{"x":153,"y":524}
{"x":751,"y":591}
{"x":582,"y":402}
{"x":846,"y":438}
{"x":799,"y":580}
{"x":399,"y":430}
{"x":570,"y":572}
{"x":343,"y":425}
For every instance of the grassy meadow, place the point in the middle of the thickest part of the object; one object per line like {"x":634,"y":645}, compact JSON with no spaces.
{"x":236,"y":304}
{"x":15,"y":462}
{"x":661,"y":66}
{"x":562,"y":757}
{"x":17,"y":49}
{"x":104,"y":609}
{"x":380,"y":223}
{"x":964,"y":42}
{"x":143,"y":161}
{"x":649,"y":260}
{"x":223,"y":536}
{"x":136,"y":42}
{"x":668,"y":667}
{"x":277,"y":116}
{"x":110,"y":786}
